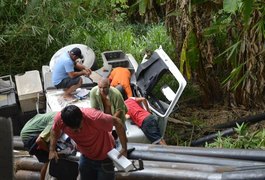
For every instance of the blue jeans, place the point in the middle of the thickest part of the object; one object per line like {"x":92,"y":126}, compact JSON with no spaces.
{"x":151,"y":129}
{"x":96,"y":169}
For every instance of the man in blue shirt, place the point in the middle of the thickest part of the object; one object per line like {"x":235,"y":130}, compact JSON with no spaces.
{"x":64,"y":74}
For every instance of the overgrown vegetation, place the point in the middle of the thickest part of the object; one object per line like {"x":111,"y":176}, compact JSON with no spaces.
{"x":244,"y":139}
{"x":32,"y":31}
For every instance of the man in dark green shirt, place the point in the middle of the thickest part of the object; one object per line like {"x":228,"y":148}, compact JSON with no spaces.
{"x":35,"y":136}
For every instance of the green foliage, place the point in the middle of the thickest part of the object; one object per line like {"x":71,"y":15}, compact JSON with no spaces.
{"x":145,"y":5}
{"x":31,"y":33}
{"x":127,"y":38}
{"x":231,"y":6}
{"x":243,"y":140}
{"x":171,"y":136}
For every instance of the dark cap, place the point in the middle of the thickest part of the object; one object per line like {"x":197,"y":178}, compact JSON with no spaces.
{"x":76,"y":51}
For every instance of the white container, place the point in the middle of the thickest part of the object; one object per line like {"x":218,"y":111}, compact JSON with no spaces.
{"x":47,"y":78}
{"x":30,"y":91}
{"x":122,"y":163}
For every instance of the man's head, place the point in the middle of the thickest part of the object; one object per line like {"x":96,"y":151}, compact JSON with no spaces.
{"x":104,"y":86}
{"x":76,"y":53}
{"x":72,"y":116}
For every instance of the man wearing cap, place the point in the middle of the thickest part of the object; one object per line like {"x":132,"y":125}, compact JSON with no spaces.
{"x":64,"y":74}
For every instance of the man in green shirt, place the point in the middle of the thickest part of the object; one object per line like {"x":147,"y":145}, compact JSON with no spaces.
{"x":36,"y":136}
{"x":107,"y":99}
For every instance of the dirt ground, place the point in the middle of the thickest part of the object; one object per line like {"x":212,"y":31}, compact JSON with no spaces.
{"x":191,"y":122}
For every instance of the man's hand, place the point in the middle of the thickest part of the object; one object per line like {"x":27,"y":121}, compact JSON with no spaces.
{"x":123,"y":152}
{"x":53,"y":155}
{"x":121,"y":134}
{"x":86,"y":72}
{"x":118,"y":113}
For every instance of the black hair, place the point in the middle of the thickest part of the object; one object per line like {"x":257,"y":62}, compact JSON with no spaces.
{"x":71,"y":116}
{"x":122,"y":91}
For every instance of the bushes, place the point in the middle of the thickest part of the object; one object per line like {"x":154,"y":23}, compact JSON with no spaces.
{"x":31,"y":33}
{"x":245,"y":139}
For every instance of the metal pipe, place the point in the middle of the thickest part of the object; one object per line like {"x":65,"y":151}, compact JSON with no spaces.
{"x":27,"y":175}
{"x":186,"y":166}
{"x":162,"y":173}
{"x":254,"y":154}
{"x":18,"y":145}
{"x":210,"y":137}
{"x":170,"y":157}
{"x":244,"y":154}
{"x":230,"y":125}
{"x":17,"y":138}
{"x":257,"y":174}
{"x":168,"y":174}
{"x":31,"y":164}
{"x":168,"y":170}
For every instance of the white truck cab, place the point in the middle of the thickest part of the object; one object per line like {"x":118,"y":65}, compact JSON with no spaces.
{"x":156,"y":78}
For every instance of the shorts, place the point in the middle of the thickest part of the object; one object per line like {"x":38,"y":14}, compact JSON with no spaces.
{"x":68,"y":82}
{"x":151,"y":129}
{"x":31,"y":145}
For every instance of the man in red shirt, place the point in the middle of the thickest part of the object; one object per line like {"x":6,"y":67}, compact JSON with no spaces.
{"x":144,"y":119}
{"x":91,"y":131}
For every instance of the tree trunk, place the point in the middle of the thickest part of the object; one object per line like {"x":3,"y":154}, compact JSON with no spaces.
{"x":179,"y":25}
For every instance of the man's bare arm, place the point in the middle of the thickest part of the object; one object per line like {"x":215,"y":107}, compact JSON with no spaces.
{"x":79,"y":73}
{"x":121,"y":134}
{"x":53,"y":141}
{"x":144,"y":101}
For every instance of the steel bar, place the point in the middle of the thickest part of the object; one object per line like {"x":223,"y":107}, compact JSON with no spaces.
{"x":18,"y":145}
{"x":211,"y":137}
{"x":27,"y":175}
{"x":168,"y":170}
{"x":244,"y":154}
{"x":186,"y":166}
{"x":167,"y":174}
{"x":17,"y":138}
{"x":230,"y":125}
{"x":257,"y":174}
{"x":171,"y":157}
{"x":31,"y":164}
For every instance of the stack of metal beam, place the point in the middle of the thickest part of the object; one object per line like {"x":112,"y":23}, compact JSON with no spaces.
{"x":175,"y":162}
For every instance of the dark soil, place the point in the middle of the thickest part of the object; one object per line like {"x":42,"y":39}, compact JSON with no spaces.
{"x":196,"y":122}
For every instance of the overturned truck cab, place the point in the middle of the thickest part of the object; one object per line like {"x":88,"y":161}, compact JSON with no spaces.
{"x":156,"y":78}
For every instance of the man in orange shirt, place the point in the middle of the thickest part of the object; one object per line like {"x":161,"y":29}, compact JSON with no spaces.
{"x":121,"y":76}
